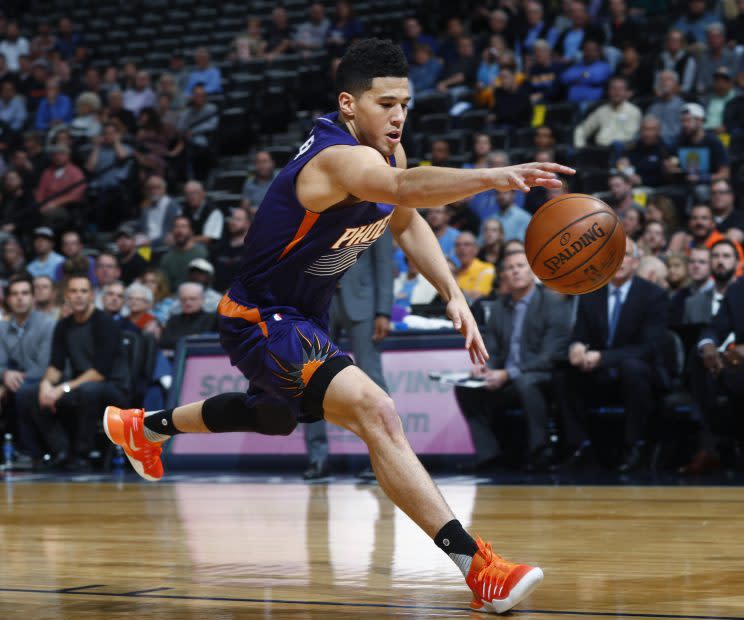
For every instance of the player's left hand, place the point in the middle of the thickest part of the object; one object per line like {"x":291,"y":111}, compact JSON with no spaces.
{"x":382,"y":328}
{"x":463,"y":321}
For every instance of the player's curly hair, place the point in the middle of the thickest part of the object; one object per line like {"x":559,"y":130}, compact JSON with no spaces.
{"x":367,"y":59}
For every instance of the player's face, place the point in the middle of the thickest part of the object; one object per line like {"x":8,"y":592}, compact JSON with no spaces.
{"x":380,"y":112}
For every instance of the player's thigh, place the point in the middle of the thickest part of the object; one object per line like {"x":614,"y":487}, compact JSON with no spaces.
{"x":355,"y":402}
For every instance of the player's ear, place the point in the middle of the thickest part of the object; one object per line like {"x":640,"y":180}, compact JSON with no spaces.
{"x":346,"y":104}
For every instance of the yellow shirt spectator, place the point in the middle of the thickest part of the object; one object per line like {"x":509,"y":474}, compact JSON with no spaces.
{"x":476,"y":280}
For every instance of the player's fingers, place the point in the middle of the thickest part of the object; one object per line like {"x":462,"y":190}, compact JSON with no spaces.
{"x":549,"y":183}
{"x":553,"y":167}
{"x":519,"y":181}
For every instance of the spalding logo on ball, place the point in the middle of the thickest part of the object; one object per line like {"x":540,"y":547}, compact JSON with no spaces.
{"x":575,"y":243}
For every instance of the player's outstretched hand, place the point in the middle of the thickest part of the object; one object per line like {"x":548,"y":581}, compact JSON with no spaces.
{"x":524,"y":176}
{"x":463,"y":321}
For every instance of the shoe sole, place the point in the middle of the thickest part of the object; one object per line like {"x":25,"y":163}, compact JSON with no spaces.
{"x":521,"y":591}
{"x":116,"y":430}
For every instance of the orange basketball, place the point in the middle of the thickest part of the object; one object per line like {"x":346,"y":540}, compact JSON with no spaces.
{"x":575,"y":243}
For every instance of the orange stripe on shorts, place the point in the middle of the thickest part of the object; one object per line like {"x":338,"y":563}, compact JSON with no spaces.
{"x":233,"y":310}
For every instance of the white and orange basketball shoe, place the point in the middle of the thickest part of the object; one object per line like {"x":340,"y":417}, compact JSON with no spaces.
{"x":126,"y":428}
{"x":499,"y":585}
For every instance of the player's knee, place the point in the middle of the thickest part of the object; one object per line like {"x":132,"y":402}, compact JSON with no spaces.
{"x":377,"y":418}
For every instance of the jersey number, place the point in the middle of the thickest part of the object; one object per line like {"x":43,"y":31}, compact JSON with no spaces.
{"x":305,"y":147}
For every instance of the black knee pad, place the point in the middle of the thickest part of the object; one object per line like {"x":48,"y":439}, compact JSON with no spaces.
{"x":312,"y":402}
{"x":229,"y":413}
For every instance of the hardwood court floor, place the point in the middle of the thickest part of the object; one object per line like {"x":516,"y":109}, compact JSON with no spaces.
{"x":230,"y":551}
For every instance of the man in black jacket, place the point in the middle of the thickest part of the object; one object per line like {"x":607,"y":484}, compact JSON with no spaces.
{"x":614,"y":352}
{"x":524,"y":332}
{"x":89,"y":341}
{"x":191,"y":320}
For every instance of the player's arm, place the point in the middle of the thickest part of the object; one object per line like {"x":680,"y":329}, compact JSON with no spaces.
{"x":362,"y":172}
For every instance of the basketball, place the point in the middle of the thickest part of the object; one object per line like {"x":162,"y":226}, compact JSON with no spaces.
{"x":575,"y":243}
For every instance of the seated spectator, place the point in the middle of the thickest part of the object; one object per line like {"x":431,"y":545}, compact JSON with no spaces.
{"x":661,"y":209}
{"x":448,"y":42}
{"x":74,"y":251}
{"x":654,"y":239}
{"x":205,"y":73}
{"x":621,"y":194}
{"x":617,"y":121}
{"x":168,"y":115}
{"x":46,"y":260}
{"x":248,"y":45}
{"x":492,"y":241}
{"x":62,"y":186}
{"x":140,"y":95}
{"x":543,"y":75}
{"x":654,"y":270}
{"x":13,"y":45}
{"x":198,"y":123}
{"x":167,"y":85}
{"x":438,"y":219}
{"x":644,"y":162}
{"x":131,"y":262}
{"x":89,"y":341}
{"x":207,"y":220}
{"x":615,"y":349}
{"x":157,"y":144}
{"x":192,"y":320}
{"x":68,"y":40}
{"x":280,"y":37}
{"x":12,"y":106}
{"x":110,"y":166}
{"x":481,"y":151}
{"x":110,"y":83}
{"x":677,"y":275}
{"x":636,"y":71}
{"x":92,"y":83}
{"x":413,"y":34}
{"x":256,"y":185}
{"x":458,"y":77}
{"x":499,"y":25}
{"x":45,"y":297}
{"x":411,"y":287}
{"x":311,"y":35}
{"x":54,"y":108}
{"x":440,"y":154}
{"x":474,"y":277}
{"x":634,"y":220}
{"x":702,"y":307}
{"x":695,"y":21}
{"x":158,"y":211}
{"x":512,"y":106}
{"x":487,"y":76}
{"x":12,"y":259}
{"x":139,"y":300}
{"x":175,"y":262}
{"x":201,"y":272}
{"x":536,"y":28}
{"x":716,"y":56}
{"x":676,"y":58}
{"x":622,"y":28}
{"x":156,"y":281}
{"x":721,"y":93}
{"x":226,"y":255}
{"x":18,"y":212}
{"x":86,"y":123}
{"x":699,"y":280}
{"x":525,"y":330}
{"x":573,"y":39}
{"x":514,"y":219}
{"x":107,"y":272}
{"x":25,"y":345}
{"x":701,"y":230}
{"x":116,"y":112}
{"x":44,"y":42}
{"x":587,"y":78}
{"x":425,"y":70}
{"x":728,"y":219}
{"x":112,"y":302}
{"x":344,"y":29}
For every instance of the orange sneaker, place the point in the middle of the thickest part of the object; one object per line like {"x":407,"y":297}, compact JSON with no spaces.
{"x":125,"y":427}
{"x":499,"y":585}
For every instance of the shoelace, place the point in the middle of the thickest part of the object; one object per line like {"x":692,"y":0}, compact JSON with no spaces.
{"x":494,"y":572}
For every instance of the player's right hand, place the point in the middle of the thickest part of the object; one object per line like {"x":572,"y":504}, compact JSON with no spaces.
{"x":523,"y":176}
{"x":463,"y":321}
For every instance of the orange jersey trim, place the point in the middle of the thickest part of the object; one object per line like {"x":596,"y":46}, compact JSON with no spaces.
{"x":307,"y":223}
{"x":233,"y":310}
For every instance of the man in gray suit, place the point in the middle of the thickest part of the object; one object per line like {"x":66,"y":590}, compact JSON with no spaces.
{"x":700,"y":308}
{"x":525,"y":331}
{"x":361,"y":308}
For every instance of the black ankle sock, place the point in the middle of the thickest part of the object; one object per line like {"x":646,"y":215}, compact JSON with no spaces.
{"x":453,"y":538}
{"x":161,"y":422}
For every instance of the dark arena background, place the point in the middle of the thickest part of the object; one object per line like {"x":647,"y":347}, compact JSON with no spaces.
{"x":605,"y":441}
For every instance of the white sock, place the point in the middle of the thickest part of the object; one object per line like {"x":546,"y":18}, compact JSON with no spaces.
{"x":151,"y":435}
{"x":462,"y":562}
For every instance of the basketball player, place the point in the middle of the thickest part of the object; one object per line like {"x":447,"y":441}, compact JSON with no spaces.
{"x":344,"y":187}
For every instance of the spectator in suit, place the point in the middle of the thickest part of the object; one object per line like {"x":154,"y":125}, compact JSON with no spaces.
{"x":702,"y":307}
{"x":614,"y":350}
{"x":361,"y":308}
{"x":159,"y":211}
{"x":207,"y":220}
{"x":89,"y":341}
{"x":699,"y":270}
{"x":192,"y":320}
{"x":25,"y":343}
{"x":526,"y":329}
{"x":175,"y":262}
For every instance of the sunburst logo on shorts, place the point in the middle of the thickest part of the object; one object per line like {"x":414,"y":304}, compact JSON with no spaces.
{"x":297,"y":376}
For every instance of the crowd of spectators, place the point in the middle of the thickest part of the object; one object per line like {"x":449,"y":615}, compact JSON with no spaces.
{"x":117,"y":166}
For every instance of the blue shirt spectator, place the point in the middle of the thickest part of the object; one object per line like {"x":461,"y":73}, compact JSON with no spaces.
{"x":586,"y":80}
{"x":425,"y":70}
{"x":12,"y":107}
{"x":413,"y":34}
{"x":204,"y":73}
{"x":514,"y":219}
{"x":68,"y":41}
{"x":54,"y":108}
{"x":694,"y":22}
{"x":47,"y":260}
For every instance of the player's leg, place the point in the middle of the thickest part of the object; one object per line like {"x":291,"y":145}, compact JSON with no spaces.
{"x":352,"y":400}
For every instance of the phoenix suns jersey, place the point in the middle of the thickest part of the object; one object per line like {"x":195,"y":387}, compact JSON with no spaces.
{"x":292,"y":257}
